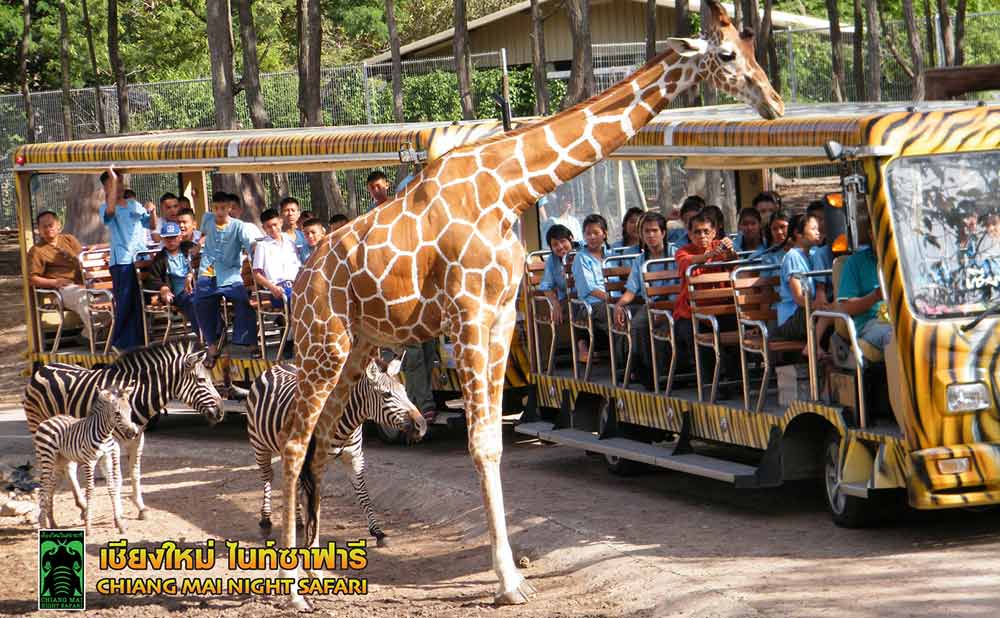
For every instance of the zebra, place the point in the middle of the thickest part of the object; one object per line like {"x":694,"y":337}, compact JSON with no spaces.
{"x":161,"y":372}
{"x":64,"y":441}
{"x":378,"y":396}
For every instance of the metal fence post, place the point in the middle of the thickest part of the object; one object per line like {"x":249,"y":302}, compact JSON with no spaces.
{"x":368,"y":95}
{"x":939,"y":39}
{"x":505,"y":79}
{"x":793,"y":82}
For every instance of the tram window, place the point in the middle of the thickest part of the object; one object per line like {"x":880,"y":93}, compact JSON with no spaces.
{"x":951,"y":260}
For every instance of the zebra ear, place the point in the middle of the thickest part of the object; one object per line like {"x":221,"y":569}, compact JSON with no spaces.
{"x":194,"y":358}
{"x":394,"y":366}
{"x":372,"y":371}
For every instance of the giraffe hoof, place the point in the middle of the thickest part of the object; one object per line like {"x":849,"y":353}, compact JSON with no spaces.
{"x":382,"y":541}
{"x":517,"y":596}
{"x":142,"y":514}
{"x":300,"y":604}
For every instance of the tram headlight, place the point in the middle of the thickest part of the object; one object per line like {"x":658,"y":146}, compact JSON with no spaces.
{"x":970,"y":397}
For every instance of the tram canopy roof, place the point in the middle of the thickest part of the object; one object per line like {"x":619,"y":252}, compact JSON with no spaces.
{"x":720,"y":137}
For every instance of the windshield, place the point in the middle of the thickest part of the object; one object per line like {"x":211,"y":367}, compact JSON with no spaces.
{"x":946,"y":210}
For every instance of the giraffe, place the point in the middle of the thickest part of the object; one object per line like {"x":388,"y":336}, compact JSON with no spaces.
{"x":442,"y":259}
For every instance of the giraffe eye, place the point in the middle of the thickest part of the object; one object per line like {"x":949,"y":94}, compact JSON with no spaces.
{"x":727,"y":55}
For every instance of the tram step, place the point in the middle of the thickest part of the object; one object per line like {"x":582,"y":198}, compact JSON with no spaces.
{"x":662,"y":457}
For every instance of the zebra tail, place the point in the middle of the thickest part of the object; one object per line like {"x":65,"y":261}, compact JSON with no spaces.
{"x":309,"y":491}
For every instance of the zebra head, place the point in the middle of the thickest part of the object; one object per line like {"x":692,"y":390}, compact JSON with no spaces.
{"x":396,"y":409}
{"x":197,"y":389}
{"x":118,"y":400}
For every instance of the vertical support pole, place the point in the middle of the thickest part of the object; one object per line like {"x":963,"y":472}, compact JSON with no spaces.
{"x":939,"y":40}
{"x":25,"y":239}
{"x":195,"y":187}
{"x":368,"y":94}
{"x":792,"y":81}
{"x":505,"y":77}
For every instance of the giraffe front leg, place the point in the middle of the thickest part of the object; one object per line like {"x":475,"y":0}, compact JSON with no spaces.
{"x":89,"y":470}
{"x":113,"y":474}
{"x":135,"y":460}
{"x":355,"y":460}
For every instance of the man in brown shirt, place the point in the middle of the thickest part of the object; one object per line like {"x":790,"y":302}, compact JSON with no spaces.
{"x":53,"y":263}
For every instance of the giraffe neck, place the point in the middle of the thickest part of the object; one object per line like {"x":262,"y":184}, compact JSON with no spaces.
{"x":557,"y":150}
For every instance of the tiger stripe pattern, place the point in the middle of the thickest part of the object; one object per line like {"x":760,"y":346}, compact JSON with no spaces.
{"x":160,"y":373}
{"x":62,"y":442}
{"x":378,"y":396}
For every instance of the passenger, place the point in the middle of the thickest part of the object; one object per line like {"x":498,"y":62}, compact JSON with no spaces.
{"x":305,"y":216}
{"x":185,"y":220}
{"x":654,"y":233}
{"x":968,"y":236}
{"x":777,"y":239}
{"x":275,"y":260}
{"x":314,"y":231}
{"x":289,"y":208}
{"x":718,"y":218}
{"x":750,"y":237}
{"x":129,"y":194}
{"x":565,"y":213}
{"x":692,"y":205}
{"x":860,"y":295}
{"x":378,"y":187}
{"x":821,"y":256}
{"x":338,"y":221}
{"x":236,"y":211}
{"x":128,"y":221}
{"x":588,"y":275}
{"x":989,"y":246}
{"x":631,"y":239}
{"x":553,"y":283}
{"x":220,"y":275}
{"x":791,"y":324}
{"x":54,"y":264}
{"x":767,"y":203}
{"x":171,"y":273}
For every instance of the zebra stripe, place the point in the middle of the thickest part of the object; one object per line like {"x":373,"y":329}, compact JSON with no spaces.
{"x":160,"y":373}
{"x":378,"y":396}
{"x":64,"y":441}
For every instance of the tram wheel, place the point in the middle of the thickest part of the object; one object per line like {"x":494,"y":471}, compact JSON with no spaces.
{"x":617,"y":465}
{"x":847,"y":511}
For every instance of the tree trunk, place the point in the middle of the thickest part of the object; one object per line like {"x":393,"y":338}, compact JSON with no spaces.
{"x":713,"y":179}
{"x":397,"y":63}
{"x":650,"y":29}
{"x":98,"y":99}
{"x":29,"y":114}
{"x":581,"y":75}
{"x":763,"y":41}
{"x":947,"y":34}
{"x":118,"y":67}
{"x":84,"y":196}
{"x":663,"y":180}
{"x":538,"y":60}
{"x":463,"y":67}
{"x":220,"y":50}
{"x":255,"y":99}
{"x":872,"y":36}
{"x":836,"y":51}
{"x":859,"y":52}
{"x":324,"y":192}
{"x":916,"y":53}
{"x":67,"y":109}
{"x":959,"y":33}
{"x":682,"y":20}
{"x":929,"y":33}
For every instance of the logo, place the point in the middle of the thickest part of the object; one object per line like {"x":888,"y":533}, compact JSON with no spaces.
{"x":61,"y":568}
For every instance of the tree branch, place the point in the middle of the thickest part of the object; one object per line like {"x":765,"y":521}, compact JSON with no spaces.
{"x":890,"y":41}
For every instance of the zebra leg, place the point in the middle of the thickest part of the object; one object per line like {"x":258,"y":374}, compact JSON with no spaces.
{"x":89,"y":469}
{"x":356,"y":461}
{"x":135,"y":460}
{"x":74,"y":482}
{"x":266,"y":475}
{"x":113,"y":474}
{"x":47,"y":478}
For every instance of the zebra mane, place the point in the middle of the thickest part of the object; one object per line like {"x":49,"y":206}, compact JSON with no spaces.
{"x":151,"y":352}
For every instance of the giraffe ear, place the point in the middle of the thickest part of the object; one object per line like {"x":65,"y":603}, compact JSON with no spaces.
{"x":687,"y":48}
{"x":720,"y":18}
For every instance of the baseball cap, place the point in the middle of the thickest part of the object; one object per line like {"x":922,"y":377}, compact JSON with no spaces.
{"x":170,"y":230}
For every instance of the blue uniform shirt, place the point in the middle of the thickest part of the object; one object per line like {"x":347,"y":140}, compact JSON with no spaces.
{"x":678,"y":237}
{"x":772,"y":256}
{"x":178,"y":267}
{"x":553,"y":277}
{"x":128,"y":231}
{"x":635,"y":282}
{"x":795,"y":261}
{"x":223,"y":248}
{"x":588,"y":275}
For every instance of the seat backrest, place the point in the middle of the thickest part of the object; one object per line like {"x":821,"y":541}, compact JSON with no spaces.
{"x":662,"y":283}
{"x":838,"y":269}
{"x":616,"y":271}
{"x":755,"y":292}
{"x":143,"y":260}
{"x":534,"y":270}
{"x":96,"y":264}
{"x":568,"y":272}
{"x":710,"y":288}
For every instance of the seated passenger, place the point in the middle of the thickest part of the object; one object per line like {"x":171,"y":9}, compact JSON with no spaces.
{"x":654,"y":233}
{"x":691,"y":206}
{"x":314,"y":231}
{"x":989,"y":246}
{"x":171,"y":274}
{"x":563,"y":212}
{"x":275,"y":260}
{"x":338,"y":221}
{"x":290,"y":224}
{"x":821,"y":255}
{"x":630,"y":240}
{"x":54,"y":264}
{"x":718,"y":218}
{"x":588,"y":275}
{"x":305,"y":216}
{"x":791,"y":324}
{"x":220,"y":275}
{"x":185,"y":220}
{"x":859,"y":293}
{"x":750,"y":237}
{"x":767,"y":203}
{"x":553,"y":283}
{"x":777,"y":239}
{"x":704,"y":247}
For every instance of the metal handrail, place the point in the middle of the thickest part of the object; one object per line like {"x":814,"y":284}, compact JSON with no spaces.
{"x":810,"y":332}
{"x":859,"y":364}
{"x":764,"y":338}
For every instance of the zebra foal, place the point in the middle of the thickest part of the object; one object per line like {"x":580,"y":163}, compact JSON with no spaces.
{"x":378,"y":396}
{"x":62,"y":442}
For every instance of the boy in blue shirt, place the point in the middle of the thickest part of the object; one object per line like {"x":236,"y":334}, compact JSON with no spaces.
{"x":128,"y":221}
{"x":171,"y":274}
{"x":226,"y":240}
{"x":289,"y":208}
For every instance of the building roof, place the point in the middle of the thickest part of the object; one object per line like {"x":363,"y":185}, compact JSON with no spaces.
{"x":781,"y":20}
{"x":725,"y":136}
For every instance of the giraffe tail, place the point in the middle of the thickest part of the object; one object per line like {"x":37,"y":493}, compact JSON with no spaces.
{"x":309,"y":492}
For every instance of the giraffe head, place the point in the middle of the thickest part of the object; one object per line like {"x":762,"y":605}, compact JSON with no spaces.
{"x":727,"y":60}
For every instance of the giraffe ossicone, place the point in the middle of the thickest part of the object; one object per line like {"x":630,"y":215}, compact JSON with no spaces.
{"x":442,"y":258}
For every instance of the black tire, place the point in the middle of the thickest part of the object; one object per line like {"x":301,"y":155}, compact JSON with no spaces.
{"x":617,"y":465}
{"x":846,"y":511}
